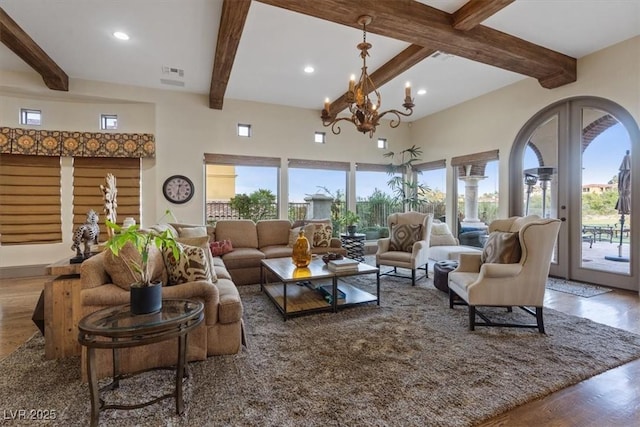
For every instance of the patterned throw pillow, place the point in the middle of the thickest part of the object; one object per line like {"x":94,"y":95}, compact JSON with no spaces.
{"x":502,"y":247}
{"x":403,"y":236}
{"x":220,"y":248}
{"x":201,"y":242}
{"x":322,"y":234}
{"x":193,"y":265}
{"x":308,"y":233}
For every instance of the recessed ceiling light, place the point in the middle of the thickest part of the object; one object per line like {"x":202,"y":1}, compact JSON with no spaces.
{"x":120,"y":35}
{"x":309,"y":69}
{"x":422,"y":91}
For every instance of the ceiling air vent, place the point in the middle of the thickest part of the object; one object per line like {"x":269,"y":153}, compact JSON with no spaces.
{"x":172,"y":76}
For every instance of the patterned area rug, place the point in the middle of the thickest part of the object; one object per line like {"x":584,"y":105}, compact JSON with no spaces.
{"x":580,"y":289}
{"x":409,"y":361}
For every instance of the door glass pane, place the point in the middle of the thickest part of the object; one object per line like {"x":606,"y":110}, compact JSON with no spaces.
{"x":540,"y":173}
{"x":605,"y":229}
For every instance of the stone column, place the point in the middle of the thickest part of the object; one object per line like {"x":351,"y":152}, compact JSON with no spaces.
{"x":471,"y":201}
{"x":319,"y":206}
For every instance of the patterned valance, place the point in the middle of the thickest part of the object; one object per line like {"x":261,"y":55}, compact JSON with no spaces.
{"x":37,"y":142}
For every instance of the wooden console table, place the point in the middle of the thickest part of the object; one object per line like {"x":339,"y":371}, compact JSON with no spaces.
{"x":59,"y":306}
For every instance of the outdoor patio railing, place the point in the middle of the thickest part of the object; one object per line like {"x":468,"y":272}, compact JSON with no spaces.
{"x":372,"y":214}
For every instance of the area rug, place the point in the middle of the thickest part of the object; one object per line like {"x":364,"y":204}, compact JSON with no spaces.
{"x":580,"y":289}
{"x":409,"y":361}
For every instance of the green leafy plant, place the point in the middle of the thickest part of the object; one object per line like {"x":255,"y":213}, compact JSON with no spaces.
{"x":142,"y":241}
{"x":349,"y":218}
{"x":404,"y":181}
{"x":258,"y":205}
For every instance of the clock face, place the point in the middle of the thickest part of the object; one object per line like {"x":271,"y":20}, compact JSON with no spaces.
{"x":178,"y":189}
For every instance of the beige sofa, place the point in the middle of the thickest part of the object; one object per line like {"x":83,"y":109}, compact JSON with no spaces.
{"x":220,"y":333}
{"x":253,"y":242}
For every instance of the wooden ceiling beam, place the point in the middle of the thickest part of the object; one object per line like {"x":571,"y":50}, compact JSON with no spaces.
{"x":234,"y":16}
{"x":387,"y":72}
{"x":16,"y":39}
{"x":474,"y":12}
{"x":422,"y":25}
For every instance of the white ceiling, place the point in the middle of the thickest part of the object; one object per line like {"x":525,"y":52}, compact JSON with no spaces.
{"x":277,"y":44}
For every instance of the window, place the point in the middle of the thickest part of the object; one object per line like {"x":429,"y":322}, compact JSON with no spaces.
{"x":374,"y":200}
{"x":382,"y":143}
{"x":433,"y":177}
{"x":30,"y":117}
{"x":319,"y":187}
{"x":320,"y":137}
{"x":244,"y":130}
{"x":108,"y":121}
{"x":89,"y":173}
{"x":477,"y":195}
{"x":30,"y":212}
{"x":241,"y":187}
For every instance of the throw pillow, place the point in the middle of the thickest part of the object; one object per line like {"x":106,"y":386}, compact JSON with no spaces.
{"x":124,"y":276}
{"x":322,"y":234}
{"x":193,"y":231}
{"x":192,"y":265}
{"x":220,"y":248}
{"x":403,"y":236}
{"x":441,"y":235}
{"x":308,"y":233}
{"x":201,"y":242}
{"x":502,"y":247}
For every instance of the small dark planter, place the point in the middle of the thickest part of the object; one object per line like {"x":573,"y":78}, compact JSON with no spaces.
{"x":351,"y":229}
{"x":146,"y":299}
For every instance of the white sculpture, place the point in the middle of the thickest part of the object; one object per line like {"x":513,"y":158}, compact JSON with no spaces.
{"x":109,"y":195}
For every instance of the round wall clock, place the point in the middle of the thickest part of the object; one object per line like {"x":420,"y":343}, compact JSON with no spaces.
{"x":178,"y":189}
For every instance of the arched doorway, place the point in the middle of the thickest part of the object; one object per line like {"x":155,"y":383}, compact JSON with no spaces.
{"x":565,"y":164}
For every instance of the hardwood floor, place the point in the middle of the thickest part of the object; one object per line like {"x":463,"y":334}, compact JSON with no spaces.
{"x":609,"y":399}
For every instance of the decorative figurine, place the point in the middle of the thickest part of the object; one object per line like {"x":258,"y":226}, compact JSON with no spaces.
{"x":86,"y":233}
{"x":109,"y":194}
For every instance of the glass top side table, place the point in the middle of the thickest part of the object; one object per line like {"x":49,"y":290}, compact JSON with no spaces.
{"x":116,"y":327}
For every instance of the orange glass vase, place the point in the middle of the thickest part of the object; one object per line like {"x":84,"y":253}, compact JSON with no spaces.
{"x":301,"y":255}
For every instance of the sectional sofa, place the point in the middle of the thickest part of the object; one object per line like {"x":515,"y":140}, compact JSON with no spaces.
{"x":105,"y":282}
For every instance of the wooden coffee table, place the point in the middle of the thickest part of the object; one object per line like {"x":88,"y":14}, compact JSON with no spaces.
{"x":297,"y":290}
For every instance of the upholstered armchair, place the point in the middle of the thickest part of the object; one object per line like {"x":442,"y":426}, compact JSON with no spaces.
{"x":407,"y":245}
{"x":511,"y":271}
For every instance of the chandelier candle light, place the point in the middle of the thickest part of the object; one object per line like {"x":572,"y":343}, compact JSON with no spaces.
{"x":364,"y":111}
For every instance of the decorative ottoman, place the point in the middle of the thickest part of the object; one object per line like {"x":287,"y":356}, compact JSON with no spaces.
{"x":441,"y":270}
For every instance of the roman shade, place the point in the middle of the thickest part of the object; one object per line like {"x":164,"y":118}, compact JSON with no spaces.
{"x":30,"y":207}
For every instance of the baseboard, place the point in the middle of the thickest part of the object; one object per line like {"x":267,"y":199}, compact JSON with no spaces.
{"x":23,"y":271}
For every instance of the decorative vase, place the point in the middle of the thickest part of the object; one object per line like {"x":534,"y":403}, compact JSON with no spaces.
{"x":301,"y":251}
{"x":146,"y":299}
{"x":351,"y":229}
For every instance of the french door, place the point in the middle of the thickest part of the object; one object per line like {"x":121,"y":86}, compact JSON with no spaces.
{"x":565,"y":163}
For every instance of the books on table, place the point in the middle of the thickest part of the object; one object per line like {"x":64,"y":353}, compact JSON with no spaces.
{"x":344,"y":264}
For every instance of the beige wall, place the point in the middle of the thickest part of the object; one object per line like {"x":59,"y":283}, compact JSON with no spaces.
{"x":185,"y":128}
{"x":493,"y":121}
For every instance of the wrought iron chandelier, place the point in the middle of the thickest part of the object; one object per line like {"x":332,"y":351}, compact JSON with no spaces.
{"x":364,"y":108}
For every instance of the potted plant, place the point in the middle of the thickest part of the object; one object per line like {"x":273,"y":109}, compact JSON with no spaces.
{"x":146,"y":297}
{"x":403,"y":180}
{"x":350,"y":219}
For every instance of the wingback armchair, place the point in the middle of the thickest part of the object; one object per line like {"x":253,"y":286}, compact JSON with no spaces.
{"x":498,"y":282}
{"x":407,"y":245}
